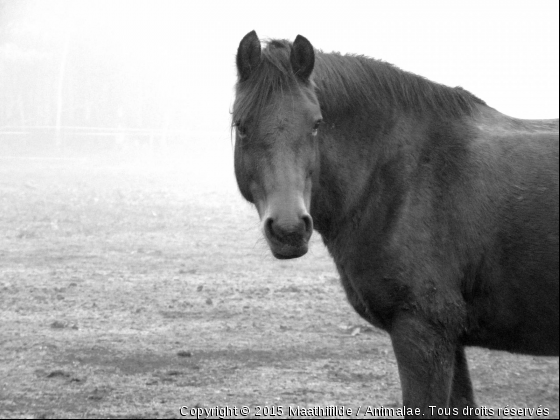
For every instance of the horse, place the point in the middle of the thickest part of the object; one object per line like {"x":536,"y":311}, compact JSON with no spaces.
{"x":440,"y":213}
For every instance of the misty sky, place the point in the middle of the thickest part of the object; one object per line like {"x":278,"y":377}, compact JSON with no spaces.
{"x":505,"y":52}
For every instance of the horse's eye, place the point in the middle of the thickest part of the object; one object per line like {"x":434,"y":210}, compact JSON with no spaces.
{"x":316,"y":127}
{"x":241,"y":129}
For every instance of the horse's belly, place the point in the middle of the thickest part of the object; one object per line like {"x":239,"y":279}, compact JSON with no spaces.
{"x":521,"y":319}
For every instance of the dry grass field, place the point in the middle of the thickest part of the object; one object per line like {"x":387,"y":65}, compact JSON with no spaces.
{"x":134,"y":288}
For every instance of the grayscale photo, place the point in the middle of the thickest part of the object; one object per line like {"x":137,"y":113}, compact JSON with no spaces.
{"x":300,"y":209}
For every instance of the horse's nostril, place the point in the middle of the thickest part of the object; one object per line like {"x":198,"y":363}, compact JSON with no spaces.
{"x":274,"y":230}
{"x":269,"y":228}
{"x":308,"y":223}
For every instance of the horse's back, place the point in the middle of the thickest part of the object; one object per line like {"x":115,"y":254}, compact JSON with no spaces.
{"x":522,"y":265}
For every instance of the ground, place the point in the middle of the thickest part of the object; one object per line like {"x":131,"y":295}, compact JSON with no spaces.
{"x":135,"y":287}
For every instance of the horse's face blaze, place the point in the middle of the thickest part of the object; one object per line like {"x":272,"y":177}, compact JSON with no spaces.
{"x":276,"y":159}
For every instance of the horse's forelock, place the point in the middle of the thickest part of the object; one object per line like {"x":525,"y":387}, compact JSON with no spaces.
{"x":274,"y":75}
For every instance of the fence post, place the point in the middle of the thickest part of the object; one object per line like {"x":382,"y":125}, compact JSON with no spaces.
{"x":62,"y":71}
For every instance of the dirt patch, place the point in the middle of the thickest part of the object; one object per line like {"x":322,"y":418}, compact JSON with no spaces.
{"x":131,"y":291}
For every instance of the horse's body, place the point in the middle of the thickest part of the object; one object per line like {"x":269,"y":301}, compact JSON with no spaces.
{"x":440,"y":213}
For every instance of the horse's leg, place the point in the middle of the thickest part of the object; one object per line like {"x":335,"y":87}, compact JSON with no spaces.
{"x":425,"y":359}
{"x":462,"y":396}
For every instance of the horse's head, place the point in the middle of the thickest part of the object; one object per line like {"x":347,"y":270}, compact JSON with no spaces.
{"x":276,"y":116}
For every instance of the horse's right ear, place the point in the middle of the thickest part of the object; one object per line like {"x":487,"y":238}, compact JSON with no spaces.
{"x":248,"y":55}
{"x":302,"y":58}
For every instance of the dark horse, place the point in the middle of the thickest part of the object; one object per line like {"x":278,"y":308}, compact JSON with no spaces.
{"x":440,"y":213}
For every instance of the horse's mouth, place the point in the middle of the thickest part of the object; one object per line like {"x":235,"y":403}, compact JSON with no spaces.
{"x":288,"y":251}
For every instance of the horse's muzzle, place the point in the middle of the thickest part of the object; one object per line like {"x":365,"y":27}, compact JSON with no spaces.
{"x":288,"y":240}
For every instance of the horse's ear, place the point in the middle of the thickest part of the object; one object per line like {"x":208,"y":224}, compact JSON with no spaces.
{"x":302,"y":58}
{"x":248,"y":55}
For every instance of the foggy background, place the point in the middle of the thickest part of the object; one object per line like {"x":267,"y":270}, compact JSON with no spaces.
{"x":131,"y":77}
{"x":134,"y":279}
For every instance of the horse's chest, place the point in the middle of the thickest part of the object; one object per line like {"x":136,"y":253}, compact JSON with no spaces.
{"x":374,"y":297}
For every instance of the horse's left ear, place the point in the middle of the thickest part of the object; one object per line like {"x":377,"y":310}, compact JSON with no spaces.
{"x":302,"y":58}
{"x":248,"y":55}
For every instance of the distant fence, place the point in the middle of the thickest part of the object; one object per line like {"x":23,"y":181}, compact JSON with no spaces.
{"x":80,"y":139}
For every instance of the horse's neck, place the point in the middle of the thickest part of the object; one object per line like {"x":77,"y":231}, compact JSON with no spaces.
{"x":364,"y":163}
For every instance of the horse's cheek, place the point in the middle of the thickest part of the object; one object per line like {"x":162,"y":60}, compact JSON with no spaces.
{"x":243,"y":175}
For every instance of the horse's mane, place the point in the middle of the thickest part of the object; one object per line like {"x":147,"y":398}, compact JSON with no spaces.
{"x":349,"y":82}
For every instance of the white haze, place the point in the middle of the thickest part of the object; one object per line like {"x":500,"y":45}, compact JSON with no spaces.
{"x":505,"y":52}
